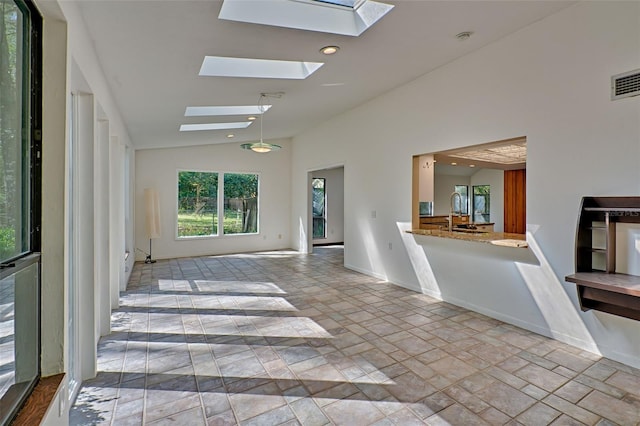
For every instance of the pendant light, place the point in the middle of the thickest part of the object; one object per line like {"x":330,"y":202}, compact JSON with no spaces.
{"x":262,"y":147}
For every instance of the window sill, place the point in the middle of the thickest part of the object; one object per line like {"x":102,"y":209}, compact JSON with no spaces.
{"x":37,"y":404}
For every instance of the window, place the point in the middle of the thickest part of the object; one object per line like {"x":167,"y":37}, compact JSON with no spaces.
{"x":481,"y":197}
{"x":14,"y":166}
{"x":197,"y":204}
{"x":462,"y":205}
{"x":240,"y":203}
{"x":20,"y":201}
{"x":201,"y":197}
{"x":319,"y":211}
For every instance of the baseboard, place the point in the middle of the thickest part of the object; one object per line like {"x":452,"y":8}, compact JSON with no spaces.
{"x":588,"y":346}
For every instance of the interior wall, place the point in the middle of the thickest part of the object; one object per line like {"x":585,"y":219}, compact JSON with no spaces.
{"x":65,"y":41}
{"x":53,"y":321}
{"x":158,"y":168}
{"x":334,"y":187}
{"x":549,"y":82}
{"x":82,"y":52}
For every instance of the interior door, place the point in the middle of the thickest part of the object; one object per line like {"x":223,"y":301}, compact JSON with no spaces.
{"x":515,"y":201}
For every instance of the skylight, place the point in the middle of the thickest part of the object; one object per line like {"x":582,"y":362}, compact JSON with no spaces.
{"x":218,"y":66}
{"x":225,"y":110}
{"x":344,"y":17}
{"x":214,"y":126}
{"x":352,"y":4}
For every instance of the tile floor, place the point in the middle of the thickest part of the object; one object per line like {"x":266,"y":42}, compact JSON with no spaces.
{"x":282,"y":338}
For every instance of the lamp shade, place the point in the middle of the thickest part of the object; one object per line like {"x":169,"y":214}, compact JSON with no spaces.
{"x":152,"y":212}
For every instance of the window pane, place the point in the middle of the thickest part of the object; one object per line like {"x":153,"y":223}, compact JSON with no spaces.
{"x":481,"y":197}
{"x":240,"y":203}
{"x":319,"y":211}
{"x":462,"y":207}
{"x":197,"y":204}
{"x":19,"y":332}
{"x":14,"y":186}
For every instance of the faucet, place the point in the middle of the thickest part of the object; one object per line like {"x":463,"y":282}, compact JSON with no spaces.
{"x":452,"y":209}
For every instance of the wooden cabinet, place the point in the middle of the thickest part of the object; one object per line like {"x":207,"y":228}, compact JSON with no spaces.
{"x":436,"y":222}
{"x":485,"y":227}
{"x":599,"y":286}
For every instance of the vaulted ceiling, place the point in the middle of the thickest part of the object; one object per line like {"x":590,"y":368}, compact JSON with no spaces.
{"x":151,"y":53}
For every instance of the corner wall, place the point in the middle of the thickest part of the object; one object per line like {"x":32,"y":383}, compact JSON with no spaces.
{"x":549,"y":82}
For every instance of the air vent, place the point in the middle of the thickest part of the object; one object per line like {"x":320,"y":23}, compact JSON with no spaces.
{"x":625,"y":85}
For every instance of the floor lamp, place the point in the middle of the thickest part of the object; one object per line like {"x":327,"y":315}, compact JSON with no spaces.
{"x":152,"y":216}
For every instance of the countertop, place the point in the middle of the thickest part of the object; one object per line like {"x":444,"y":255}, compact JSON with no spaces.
{"x":496,"y":238}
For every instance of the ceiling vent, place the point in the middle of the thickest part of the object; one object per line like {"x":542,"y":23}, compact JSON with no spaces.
{"x":625,"y":85}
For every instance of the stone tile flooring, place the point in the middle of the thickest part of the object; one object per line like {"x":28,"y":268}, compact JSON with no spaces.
{"x":282,"y":338}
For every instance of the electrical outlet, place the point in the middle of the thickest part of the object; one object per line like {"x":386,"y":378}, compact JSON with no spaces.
{"x":390,"y":246}
{"x":264,"y":237}
{"x":279,"y":236}
{"x":373,"y":214}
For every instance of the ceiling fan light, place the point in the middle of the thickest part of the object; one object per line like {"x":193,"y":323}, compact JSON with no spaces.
{"x":260,"y":147}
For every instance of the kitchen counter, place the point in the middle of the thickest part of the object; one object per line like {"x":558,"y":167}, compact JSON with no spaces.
{"x":505,"y":239}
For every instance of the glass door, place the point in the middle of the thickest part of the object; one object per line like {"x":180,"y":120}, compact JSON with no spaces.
{"x":20,"y":201}
{"x":319,"y":208}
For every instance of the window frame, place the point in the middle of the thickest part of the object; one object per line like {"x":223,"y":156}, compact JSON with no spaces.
{"x":324,"y":210}
{"x":219,"y":205}
{"x":221,"y":198}
{"x":487,"y":204}
{"x":30,"y":193}
{"x":177,"y":210}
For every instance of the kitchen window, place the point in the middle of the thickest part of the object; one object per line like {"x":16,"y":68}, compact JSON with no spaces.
{"x":461,"y":204}
{"x":481,"y":198}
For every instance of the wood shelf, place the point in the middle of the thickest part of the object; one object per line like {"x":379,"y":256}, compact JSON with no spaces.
{"x":605,"y":290}
{"x":616,"y":283}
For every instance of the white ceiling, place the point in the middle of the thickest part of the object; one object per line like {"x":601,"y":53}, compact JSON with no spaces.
{"x":151,"y":53}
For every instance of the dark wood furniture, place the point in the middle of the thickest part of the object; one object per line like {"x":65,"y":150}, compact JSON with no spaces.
{"x":599,"y":286}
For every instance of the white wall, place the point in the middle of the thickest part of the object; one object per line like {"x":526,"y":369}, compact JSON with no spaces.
{"x":334,"y":187}
{"x":158,"y":168}
{"x":53,"y":319}
{"x":549,"y":82}
{"x":66,"y":42}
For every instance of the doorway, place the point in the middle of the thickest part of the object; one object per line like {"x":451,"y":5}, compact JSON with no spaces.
{"x":326,"y":207}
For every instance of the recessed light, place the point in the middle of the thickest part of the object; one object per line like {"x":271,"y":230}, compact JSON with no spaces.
{"x":230,"y":135}
{"x":329,"y":50}
{"x":472,"y":165}
{"x":332,"y":84}
{"x":454,"y":164}
{"x":252,"y":118}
